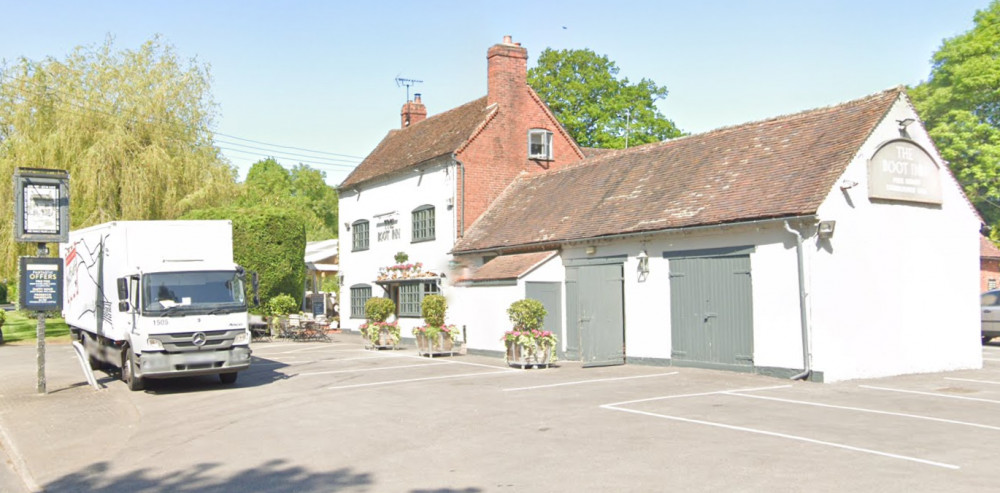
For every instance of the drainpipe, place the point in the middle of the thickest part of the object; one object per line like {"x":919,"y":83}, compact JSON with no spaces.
{"x":804,"y":317}
{"x":461,"y":212}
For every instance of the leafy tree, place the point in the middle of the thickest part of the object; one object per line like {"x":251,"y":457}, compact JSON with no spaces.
{"x":131,"y":127}
{"x":270,"y":241}
{"x":302,"y":190}
{"x":598,"y":109}
{"x":960,"y":105}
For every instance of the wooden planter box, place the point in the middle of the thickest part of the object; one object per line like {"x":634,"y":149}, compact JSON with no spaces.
{"x":439,"y":345}
{"x":384,"y":341}
{"x":521,"y":356}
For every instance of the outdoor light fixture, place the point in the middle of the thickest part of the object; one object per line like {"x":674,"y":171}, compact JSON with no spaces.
{"x":905,"y":123}
{"x":825,"y":229}
{"x":347,"y":226}
{"x":847,"y":184}
{"x":643,"y":268}
{"x":591,"y":250}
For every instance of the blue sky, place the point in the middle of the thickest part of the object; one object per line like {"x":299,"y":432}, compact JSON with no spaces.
{"x":320,"y":75}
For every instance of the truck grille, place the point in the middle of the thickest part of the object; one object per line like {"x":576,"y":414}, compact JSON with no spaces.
{"x":182,"y":342}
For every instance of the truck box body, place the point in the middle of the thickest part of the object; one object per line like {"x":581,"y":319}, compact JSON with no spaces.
{"x":182,"y":309}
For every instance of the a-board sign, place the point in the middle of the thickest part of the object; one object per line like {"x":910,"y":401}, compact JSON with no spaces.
{"x":41,"y":284}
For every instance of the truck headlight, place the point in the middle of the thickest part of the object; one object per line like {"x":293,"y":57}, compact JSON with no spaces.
{"x":242,"y":338}
{"x":154,"y":344}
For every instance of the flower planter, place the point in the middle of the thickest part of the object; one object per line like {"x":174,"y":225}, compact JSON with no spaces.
{"x":529,"y":356}
{"x":384,"y":341}
{"x":438,"y":345}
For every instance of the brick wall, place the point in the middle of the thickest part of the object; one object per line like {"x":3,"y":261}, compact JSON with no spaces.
{"x":989,"y":269}
{"x":496,"y":156}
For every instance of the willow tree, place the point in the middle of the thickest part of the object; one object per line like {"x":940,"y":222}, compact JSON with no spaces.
{"x":130,"y":126}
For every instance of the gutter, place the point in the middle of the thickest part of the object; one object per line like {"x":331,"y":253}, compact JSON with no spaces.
{"x":803,"y":315}
{"x":556,"y":244}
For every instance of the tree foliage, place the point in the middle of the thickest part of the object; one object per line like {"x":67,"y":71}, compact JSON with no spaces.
{"x":270,"y":241}
{"x":598,"y":109}
{"x":960,"y":105}
{"x":302,"y":190}
{"x":131,"y":127}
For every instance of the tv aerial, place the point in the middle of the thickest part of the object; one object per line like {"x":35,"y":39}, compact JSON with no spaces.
{"x":400,"y":81}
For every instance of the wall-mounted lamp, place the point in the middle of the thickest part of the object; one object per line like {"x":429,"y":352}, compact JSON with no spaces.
{"x":905,"y":122}
{"x":591,"y":250}
{"x":643,"y":268}
{"x":340,"y":279}
{"x":847,"y":184}
{"x":347,"y":226}
{"x":826,"y":228}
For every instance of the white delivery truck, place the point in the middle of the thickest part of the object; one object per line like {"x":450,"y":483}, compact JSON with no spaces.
{"x":158,"y":299}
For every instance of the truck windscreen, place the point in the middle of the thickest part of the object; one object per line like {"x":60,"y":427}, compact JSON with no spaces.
{"x":185,"y":293}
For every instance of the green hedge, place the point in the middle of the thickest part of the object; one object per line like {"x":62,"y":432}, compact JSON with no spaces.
{"x":269,"y":241}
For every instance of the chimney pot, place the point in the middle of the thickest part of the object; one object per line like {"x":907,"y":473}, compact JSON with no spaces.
{"x":507,"y":39}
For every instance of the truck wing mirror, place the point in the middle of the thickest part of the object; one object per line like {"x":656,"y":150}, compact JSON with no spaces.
{"x":122,"y":288}
{"x":123,"y":306}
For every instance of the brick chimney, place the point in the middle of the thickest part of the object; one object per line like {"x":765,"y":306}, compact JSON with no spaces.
{"x":507,"y":70}
{"x":413,"y":112}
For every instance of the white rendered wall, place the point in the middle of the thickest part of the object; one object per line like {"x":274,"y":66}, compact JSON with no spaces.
{"x":402,"y":194}
{"x":895,"y":290}
{"x":482,"y":309}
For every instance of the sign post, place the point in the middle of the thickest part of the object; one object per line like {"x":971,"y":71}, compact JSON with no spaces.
{"x":41,"y":214}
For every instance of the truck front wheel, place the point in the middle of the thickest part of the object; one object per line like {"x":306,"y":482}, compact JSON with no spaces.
{"x":228,"y":378}
{"x":128,"y":371}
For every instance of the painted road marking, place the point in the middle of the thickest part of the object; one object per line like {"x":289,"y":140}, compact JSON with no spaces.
{"x":971,"y":380}
{"x":394,"y":382}
{"x":784,"y":435}
{"x":932,"y":394}
{"x":580,"y":382}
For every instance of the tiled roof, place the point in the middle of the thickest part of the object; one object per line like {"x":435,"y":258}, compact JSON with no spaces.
{"x":987,"y":249}
{"x":436,"y":136}
{"x":509,"y":266}
{"x":780,"y":167}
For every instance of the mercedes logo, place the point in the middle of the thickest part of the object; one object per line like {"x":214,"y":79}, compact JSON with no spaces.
{"x":199,"y":339}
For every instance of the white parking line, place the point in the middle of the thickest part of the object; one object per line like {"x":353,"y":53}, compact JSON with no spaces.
{"x":783,"y":435}
{"x":991,"y":359}
{"x":579,"y":382}
{"x":933,"y":394}
{"x":700,"y":394}
{"x":865,"y":410}
{"x":314,"y":348}
{"x":364,"y":370}
{"x":973,"y":381}
{"x":394,"y":382}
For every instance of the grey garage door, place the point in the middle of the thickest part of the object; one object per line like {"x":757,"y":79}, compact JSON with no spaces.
{"x":711,"y":309}
{"x":595,"y":320}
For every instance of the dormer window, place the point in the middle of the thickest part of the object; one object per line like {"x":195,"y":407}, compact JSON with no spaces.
{"x":539,"y":144}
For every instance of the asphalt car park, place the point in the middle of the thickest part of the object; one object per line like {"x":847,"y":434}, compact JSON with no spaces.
{"x":319,"y":417}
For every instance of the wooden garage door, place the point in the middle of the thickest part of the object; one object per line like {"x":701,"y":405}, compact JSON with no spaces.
{"x":711,"y":309}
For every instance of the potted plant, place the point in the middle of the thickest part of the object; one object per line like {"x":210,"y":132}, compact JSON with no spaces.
{"x":378,"y":333}
{"x":528,"y":344}
{"x":435,"y":337}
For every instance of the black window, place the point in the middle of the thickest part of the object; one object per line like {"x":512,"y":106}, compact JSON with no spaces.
{"x":359,"y":231}
{"x":360,"y":294}
{"x":423,"y":223}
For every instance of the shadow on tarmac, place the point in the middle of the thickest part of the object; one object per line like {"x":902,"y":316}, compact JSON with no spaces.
{"x":272,"y":476}
{"x":275,"y":476}
{"x":261,"y":372}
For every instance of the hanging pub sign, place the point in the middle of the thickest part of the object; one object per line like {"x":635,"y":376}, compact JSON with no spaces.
{"x":901,"y":170}
{"x":41,"y":205}
{"x":41,"y":284}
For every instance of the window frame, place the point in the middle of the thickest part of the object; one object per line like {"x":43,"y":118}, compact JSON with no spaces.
{"x":358,"y":309}
{"x":356,"y":232}
{"x":409,"y":305}
{"x":546,"y":137}
{"x":428,"y":230}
